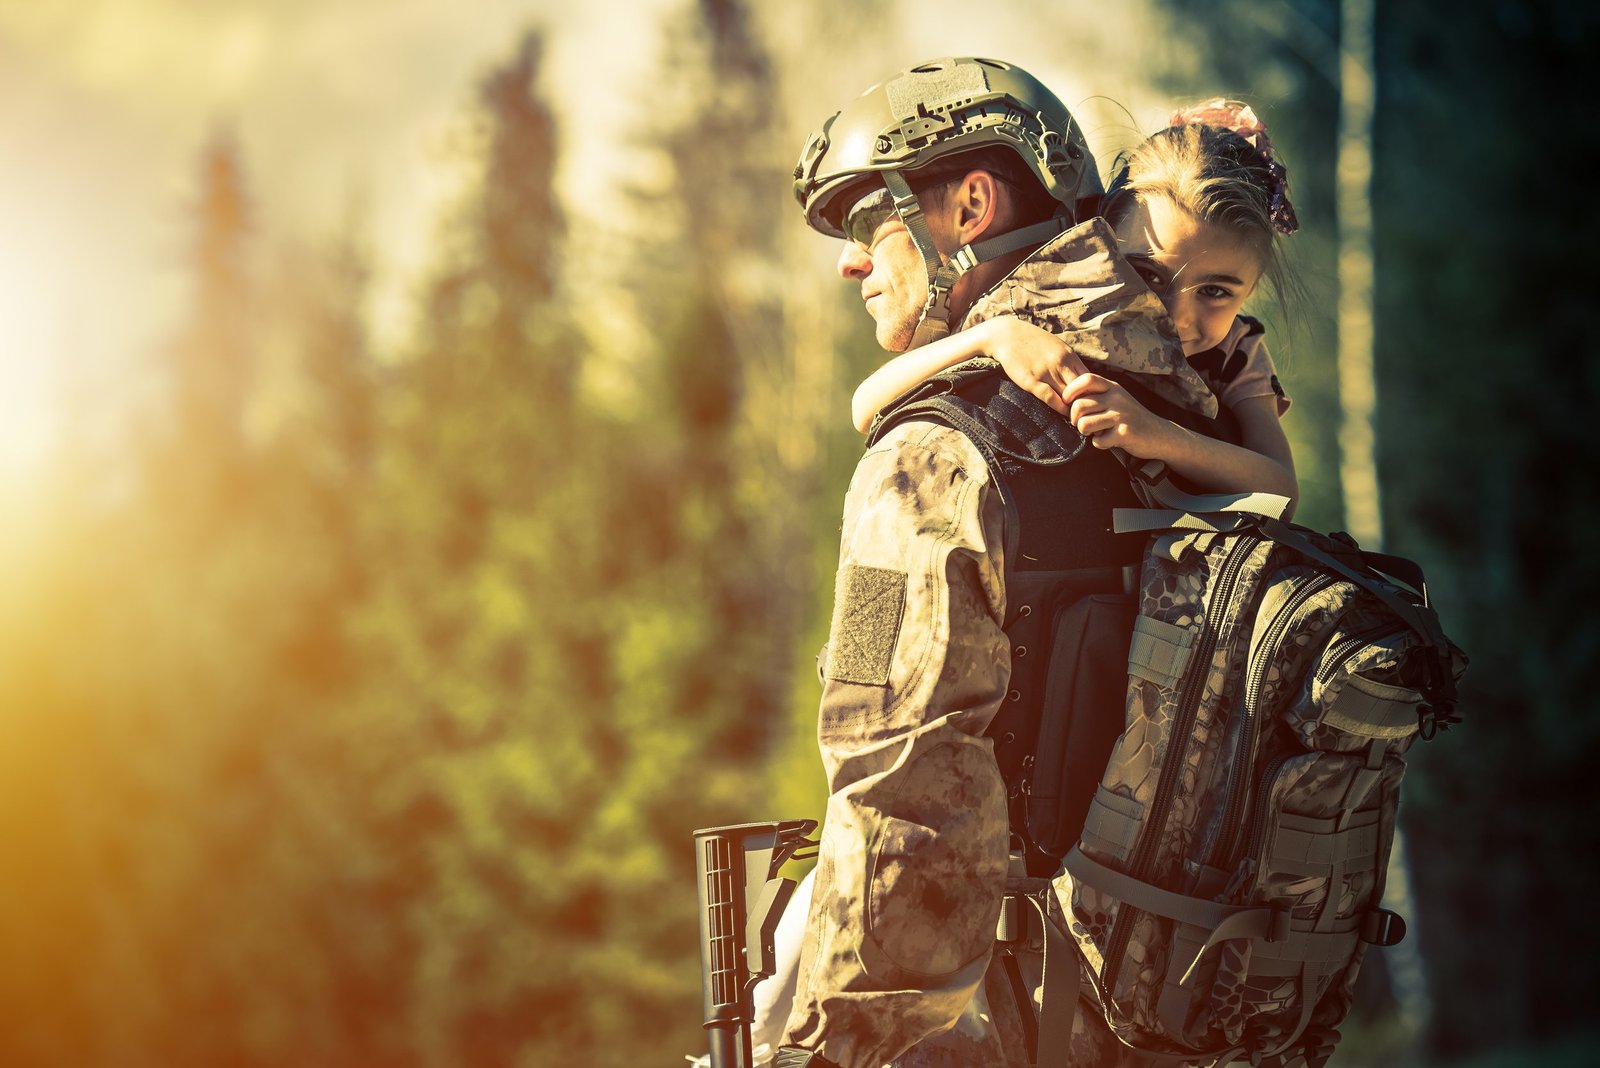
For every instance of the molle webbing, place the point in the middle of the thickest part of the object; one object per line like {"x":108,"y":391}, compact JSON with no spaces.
{"x":1159,"y":651}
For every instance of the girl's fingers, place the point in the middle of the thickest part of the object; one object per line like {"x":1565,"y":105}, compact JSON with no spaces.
{"x":1098,"y":423}
{"x":1084,"y":384}
{"x":1084,"y":407}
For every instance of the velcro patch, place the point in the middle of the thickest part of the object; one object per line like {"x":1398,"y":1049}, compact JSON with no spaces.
{"x":933,"y":88}
{"x":867,"y":608}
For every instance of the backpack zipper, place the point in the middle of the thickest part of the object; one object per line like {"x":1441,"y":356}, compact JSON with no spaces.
{"x":1257,"y":675}
{"x":1349,"y":644}
{"x":1188,"y":705}
{"x":1258,"y":819}
{"x":1249,"y":721}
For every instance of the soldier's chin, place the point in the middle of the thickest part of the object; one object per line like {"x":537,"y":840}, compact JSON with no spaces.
{"x":895,"y":337}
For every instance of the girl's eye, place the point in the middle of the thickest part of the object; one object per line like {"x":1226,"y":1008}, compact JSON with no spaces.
{"x":1148,"y":273}
{"x":1213,"y":292}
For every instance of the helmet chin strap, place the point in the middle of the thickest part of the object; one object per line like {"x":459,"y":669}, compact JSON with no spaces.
{"x":942,"y":276}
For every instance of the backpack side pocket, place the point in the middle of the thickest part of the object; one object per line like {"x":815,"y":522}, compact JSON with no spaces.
{"x":1084,"y":713}
{"x":1359,"y":691}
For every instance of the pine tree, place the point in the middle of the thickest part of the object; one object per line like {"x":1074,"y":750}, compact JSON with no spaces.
{"x":202,"y":457}
{"x":486,"y":721}
{"x":181,"y":649}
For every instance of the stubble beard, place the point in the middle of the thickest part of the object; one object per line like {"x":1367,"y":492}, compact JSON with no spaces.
{"x":895,"y":342}
{"x":895,"y":333}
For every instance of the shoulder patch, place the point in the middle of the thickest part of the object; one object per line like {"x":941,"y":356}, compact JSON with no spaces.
{"x":867,"y":608}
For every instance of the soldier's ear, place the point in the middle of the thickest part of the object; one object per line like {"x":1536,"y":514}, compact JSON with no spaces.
{"x":973,"y":204}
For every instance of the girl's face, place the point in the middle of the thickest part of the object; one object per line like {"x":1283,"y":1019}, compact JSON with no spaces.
{"x":1202,"y":272}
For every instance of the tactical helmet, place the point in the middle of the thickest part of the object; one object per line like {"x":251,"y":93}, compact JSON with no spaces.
{"x":936,"y":110}
{"x":933,"y":112}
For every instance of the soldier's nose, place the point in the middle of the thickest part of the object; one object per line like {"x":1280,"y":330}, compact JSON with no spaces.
{"x":854,"y":263}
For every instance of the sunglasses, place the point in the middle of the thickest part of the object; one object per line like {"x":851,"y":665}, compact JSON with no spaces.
{"x":863,"y":218}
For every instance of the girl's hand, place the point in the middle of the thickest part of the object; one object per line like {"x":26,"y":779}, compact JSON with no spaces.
{"x":1032,"y":357}
{"x":1109,"y":417}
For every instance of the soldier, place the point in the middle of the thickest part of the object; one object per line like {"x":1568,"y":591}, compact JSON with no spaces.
{"x":963,"y":190}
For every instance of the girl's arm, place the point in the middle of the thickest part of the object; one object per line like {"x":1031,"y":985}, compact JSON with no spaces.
{"x":1107,"y":414}
{"x":1033,"y":358}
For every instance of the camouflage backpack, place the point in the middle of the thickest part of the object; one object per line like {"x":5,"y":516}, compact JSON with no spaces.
{"x":1232,"y":860}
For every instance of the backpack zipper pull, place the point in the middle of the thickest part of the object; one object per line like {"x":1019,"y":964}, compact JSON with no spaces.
{"x":1243,"y":876}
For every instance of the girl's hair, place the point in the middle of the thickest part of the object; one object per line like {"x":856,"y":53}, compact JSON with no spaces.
{"x":1215,"y":163}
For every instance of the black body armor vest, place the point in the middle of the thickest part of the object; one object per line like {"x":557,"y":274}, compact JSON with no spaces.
{"x":1068,"y":582}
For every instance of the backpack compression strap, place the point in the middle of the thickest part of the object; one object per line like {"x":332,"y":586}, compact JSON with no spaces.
{"x":1154,"y":486}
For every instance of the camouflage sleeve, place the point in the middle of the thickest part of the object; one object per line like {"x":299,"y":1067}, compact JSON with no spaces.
{"x":1080,"y":288}
{"x":914,"y":846}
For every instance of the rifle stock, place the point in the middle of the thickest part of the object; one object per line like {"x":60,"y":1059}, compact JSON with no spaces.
{"x":741,"y":900}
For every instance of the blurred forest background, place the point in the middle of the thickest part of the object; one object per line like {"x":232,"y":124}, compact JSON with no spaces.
{"x":358,"y":695}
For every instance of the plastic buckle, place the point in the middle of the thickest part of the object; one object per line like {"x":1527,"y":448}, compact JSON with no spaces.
{"x":1278,"y":926}
{"x":1383,"y":928}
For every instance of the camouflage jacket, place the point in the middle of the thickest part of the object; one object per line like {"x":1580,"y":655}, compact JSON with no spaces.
{"x":915,"y":842}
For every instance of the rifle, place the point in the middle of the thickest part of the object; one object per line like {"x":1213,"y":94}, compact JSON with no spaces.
{"x":741,"y":900}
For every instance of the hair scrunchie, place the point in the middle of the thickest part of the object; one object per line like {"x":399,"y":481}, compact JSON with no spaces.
{"x":1241,"y":119}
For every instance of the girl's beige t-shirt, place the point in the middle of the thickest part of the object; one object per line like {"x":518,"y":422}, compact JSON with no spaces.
{"x":1241,"y":367}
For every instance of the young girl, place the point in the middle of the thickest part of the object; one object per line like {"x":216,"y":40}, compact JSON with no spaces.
{"x":1197,"y":209}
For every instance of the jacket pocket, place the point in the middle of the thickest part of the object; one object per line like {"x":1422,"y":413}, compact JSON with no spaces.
{"x":931,"y":911}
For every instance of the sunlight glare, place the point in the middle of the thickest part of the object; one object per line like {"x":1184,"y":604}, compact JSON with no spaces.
{"x":30,"y":335}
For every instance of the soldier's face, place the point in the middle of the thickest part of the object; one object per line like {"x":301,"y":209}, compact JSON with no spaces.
{"x":880,"y":255}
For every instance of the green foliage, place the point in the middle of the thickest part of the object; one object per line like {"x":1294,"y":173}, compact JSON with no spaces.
{"x":373,"y":730}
